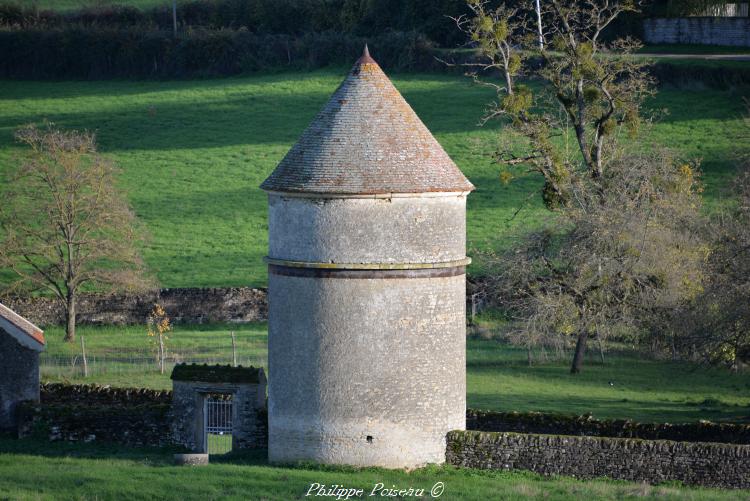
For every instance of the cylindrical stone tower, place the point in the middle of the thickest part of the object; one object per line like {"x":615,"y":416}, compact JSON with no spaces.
{"x":366,"y":281}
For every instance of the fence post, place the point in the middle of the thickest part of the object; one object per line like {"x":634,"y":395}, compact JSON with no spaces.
{"x":85,"y":362}
{"x":234,"y":351}
{"x":161,"y":352}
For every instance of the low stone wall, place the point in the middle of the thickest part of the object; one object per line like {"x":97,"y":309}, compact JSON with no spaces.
{"x":92,"y":394}
{"x":652,"y":461}
{"x":140,"y":417}
{"x":131,"y":417}
{"x":235,"y":304}
{"x":140,"y":426}
{"x":698,"y":30}
{"x":183,"y":305}
{"x":560,"y":424}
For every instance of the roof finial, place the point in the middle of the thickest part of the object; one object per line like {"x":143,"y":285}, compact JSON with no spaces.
{"x":366,"y":58}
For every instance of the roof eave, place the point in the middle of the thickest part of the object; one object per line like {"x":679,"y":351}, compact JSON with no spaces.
{"x":24,"y":332}
{"x":374,"y":194}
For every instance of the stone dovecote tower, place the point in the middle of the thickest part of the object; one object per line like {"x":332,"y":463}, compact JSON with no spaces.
{"x":366,"y":272}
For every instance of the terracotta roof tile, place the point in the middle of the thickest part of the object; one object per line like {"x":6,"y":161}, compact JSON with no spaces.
{"x":29,"y":329}
{"x":367,"y":140}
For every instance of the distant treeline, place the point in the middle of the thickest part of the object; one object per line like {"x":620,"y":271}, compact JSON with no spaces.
{"x":229,"y":37}
{"x":100,"y":53}
{"x":365,"y":18}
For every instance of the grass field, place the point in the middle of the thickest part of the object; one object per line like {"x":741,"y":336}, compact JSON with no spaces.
{"x":694,"y":49}
{"x":40,"y":471}
{"x":498,"y":377}
{"x":194,"y":152}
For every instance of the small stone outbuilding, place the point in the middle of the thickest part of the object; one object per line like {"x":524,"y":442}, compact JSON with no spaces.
{"x":20,"y":345}
{"x":193,"y":388}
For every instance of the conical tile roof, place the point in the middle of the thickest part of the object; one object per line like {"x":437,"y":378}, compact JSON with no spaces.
{"x":367,"y":140}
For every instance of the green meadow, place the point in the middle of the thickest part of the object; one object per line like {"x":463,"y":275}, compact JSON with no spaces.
{"x":31,"y":470}
{"x":192,"y":154}
{"x":626,"y":386}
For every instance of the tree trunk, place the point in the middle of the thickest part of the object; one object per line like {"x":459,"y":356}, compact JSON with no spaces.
{"x":601,"y":346}
{"x":70,"y":317}
{"x":580,"y":352}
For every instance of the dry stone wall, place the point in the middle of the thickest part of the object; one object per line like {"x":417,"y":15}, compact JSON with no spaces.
{"x":561,"y":424}
{"x":652,"y":461}
{"x":140,"y":417}
{"x":698,"y":30}
{"x":188,"y":305}
{"x":83,"y":413}
{"x":92,"y":394}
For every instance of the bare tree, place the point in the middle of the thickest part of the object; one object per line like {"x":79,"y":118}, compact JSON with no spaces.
{"x":628,"y":247}
{"x":591,"y":91}
{"x":64,"y":224}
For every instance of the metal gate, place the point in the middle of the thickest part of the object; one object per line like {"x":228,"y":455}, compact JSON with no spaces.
{"x":217,"y":420}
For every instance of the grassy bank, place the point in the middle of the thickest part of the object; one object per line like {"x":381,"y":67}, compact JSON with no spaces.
{"x":41,"y":471}
{"x":626,"y":385}
{"x":194,"y":152}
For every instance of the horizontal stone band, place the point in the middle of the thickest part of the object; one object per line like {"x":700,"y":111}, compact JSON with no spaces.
{"x":379,"y":274}
{"x":368,"y":266}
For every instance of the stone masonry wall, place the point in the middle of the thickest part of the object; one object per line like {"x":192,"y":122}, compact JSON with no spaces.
{"x":131,"y":417}
{"x":187,"y":305}
{"x":698,"y":30}
{"x":652,"y":461}
{"x":560,"y":424}
{"x":19,"y":378}
{"x":92,"y":394}
{"x":250,"y":430}
{"x":349,"y":380}
{"x":235,"y":304}
{"x":139,"y":417}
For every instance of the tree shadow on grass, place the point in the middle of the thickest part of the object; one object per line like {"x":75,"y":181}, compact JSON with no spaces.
{"x":150,"y":456}
{"x":255,"y":118}
{"x":157,"y":456}
{"x":610,"y":408}
{"x":153,"y":456}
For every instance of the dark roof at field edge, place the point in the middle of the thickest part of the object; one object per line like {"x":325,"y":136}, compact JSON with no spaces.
{"x":24,"y":331}
{"x":367,"y":140}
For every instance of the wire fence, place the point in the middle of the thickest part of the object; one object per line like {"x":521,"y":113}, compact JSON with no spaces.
{"x":135,"y":362}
